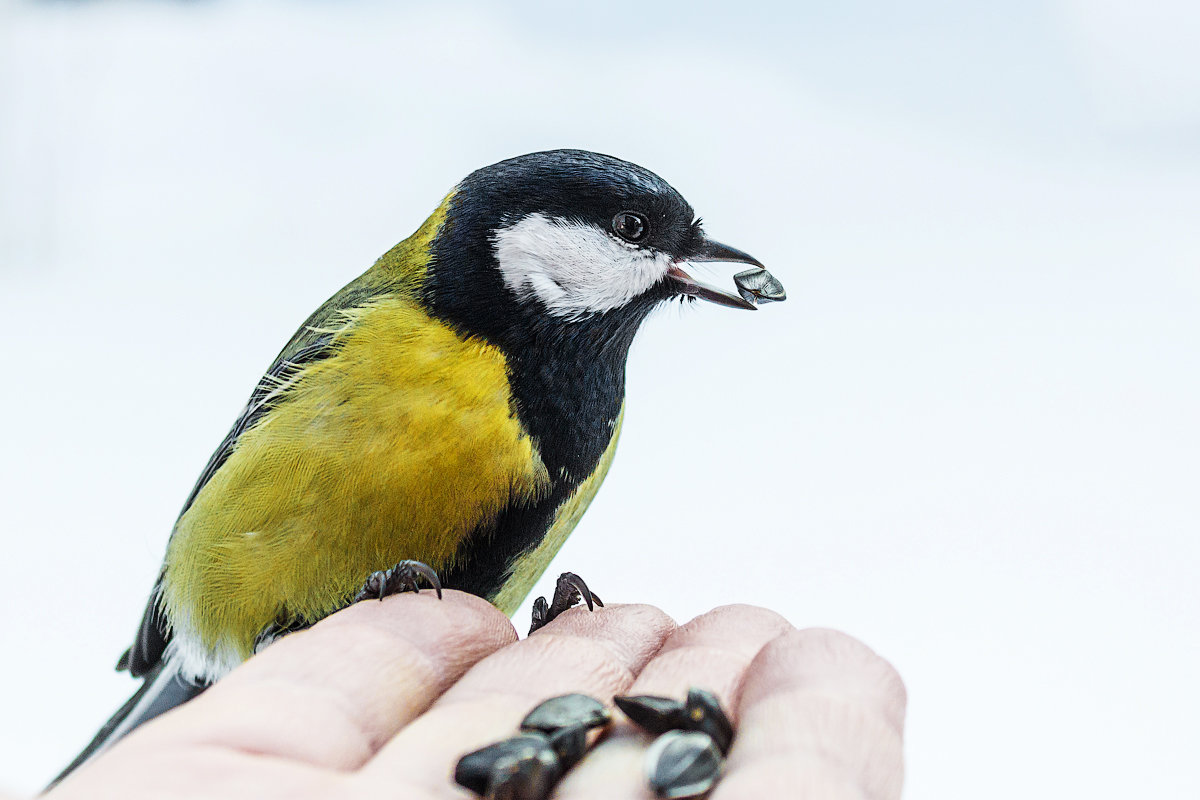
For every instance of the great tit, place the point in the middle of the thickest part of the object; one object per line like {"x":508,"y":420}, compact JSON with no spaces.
{"x":457,"y":405}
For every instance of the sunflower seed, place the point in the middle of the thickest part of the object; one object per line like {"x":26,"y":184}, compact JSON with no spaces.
{"x":756,"y":285}
{"x":683,"y":764}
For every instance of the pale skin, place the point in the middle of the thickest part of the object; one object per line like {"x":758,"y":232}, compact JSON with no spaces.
{"x":380,"y":700}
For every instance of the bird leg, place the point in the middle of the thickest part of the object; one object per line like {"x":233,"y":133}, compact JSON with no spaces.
{"x":569,"y":590}
{"x":400,"y":578}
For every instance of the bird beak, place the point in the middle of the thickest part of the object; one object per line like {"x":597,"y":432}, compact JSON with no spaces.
{"x":708,"y":250}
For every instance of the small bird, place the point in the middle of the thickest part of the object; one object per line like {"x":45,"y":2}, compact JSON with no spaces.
{"x":447,"y":416}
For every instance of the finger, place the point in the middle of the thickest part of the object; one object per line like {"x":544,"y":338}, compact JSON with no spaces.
{"x":820,"y":715}
{"x":332,"y":695}
{"x":195,"y":772}
{"x":713,"y":652}
{"x":595,"y":653}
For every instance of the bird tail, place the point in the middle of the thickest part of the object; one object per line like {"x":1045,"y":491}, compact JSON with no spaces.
{"x":162,"y":689}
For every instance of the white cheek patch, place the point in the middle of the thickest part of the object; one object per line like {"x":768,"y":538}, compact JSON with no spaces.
{"x":573,"y":268}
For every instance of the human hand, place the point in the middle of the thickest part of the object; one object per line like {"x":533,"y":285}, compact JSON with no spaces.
{"x":381,"y":699}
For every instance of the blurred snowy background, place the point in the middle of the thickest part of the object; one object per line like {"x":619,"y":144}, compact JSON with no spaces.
{"x":969,"y":438}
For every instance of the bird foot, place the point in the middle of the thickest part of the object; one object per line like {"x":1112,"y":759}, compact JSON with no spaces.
{"x":569,"y":590}
{"x":400,"y":578}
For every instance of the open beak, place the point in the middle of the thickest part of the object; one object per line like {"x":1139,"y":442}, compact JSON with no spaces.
{"x":749,"y":283}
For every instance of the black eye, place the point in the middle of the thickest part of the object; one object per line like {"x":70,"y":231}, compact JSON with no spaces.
{"x":629,"y":226}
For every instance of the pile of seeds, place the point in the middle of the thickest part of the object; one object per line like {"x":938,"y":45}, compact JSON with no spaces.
{"x":685,"y":760}
{"x":553,"y":739}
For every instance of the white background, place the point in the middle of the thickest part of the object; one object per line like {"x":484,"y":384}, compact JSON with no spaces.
{"x":969,"y":437}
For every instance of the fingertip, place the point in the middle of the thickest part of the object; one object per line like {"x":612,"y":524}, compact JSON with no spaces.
{"x":635,"y":631}
{"x":823,"y":659}
{"x":456,"y":615}
{"x":738,"y":626}
{"x":817,"y":704}
{"x":745,"y":612}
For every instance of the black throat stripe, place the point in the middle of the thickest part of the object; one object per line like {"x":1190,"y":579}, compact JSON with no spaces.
{"x":566,"y":378}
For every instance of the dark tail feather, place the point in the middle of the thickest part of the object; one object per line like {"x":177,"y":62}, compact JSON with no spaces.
{"x":162,"y":690}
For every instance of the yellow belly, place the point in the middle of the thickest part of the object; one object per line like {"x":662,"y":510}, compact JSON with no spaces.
{"x":396,"y":447}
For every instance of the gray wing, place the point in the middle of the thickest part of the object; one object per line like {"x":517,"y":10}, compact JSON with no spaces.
{"x":153,"y":634}
{"x":312,"y":342}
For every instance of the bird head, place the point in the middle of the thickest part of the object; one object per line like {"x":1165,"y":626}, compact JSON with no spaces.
{"x":569,"y":238}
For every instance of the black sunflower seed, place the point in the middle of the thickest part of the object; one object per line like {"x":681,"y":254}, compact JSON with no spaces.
{"x":683,"y":764}
{"x":525,"y":767}
{"x":566,"y":711}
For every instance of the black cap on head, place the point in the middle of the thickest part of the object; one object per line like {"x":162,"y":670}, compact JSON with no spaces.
{"x":582,"y":186}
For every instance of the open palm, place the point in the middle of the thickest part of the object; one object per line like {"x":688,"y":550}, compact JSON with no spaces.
{"x":381,"y":699}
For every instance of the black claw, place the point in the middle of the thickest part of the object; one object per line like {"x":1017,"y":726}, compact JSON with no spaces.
{"x":373,"y":586}
{"x":579,"y":589}
{"x":541,"y":614}
{"x":400,"y":578}
{"x":568,"y":591}
{"x":430,"y":575}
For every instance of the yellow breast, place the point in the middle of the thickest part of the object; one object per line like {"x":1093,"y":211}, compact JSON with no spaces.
{"x":397,"y":446}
